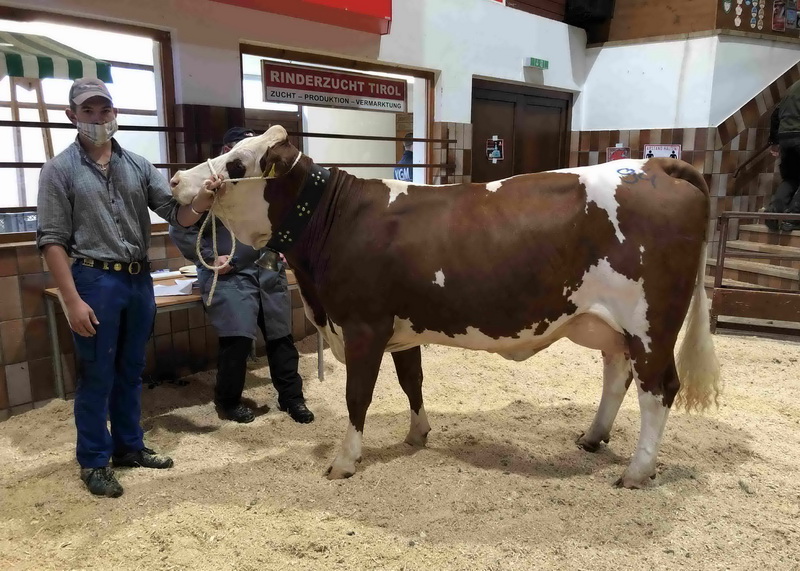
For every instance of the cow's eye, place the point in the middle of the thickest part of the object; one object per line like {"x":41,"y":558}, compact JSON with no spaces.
{"x":236,"y":169}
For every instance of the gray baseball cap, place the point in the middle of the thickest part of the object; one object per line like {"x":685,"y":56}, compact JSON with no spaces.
{"x":86,"y":88}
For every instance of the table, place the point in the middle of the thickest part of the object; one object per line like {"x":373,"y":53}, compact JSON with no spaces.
{"x":164,"y":304}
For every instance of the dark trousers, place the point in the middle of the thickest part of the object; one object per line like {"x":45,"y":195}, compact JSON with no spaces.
{"x":110,"y":363}
{"x":282,"y":357}
{"x":786,"y":197}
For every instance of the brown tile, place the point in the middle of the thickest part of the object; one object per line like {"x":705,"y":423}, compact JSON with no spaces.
{"x":585,"y":142}
{"x":164,"y":353}
{"x":69,"y":370}
{"x":32,"y":290}
{"x":37,"y":339}
{"x":594,"y":140}
{"x":10,"y":299}
{"x":212,"y":342}
{"x":18,"y":384}
{"x":8,"y":262}
{"x":644,"y":138}
{"x":172,"y":250}
{"x":42,"y":379}
{"x":162,"y":324}
{"x":700,"y":138}
{"x":29,"y":260}
{"x":180,"y":320}
{"x":688,"y":139}
{"x":156,"y":265}
{"x":181,"y":347}
{"x":196,"y":316}
{"x":604,"y":140}
{"x":750,"y":113}
{"x":635,"y":141}
{"x":197,"y":345}
{"x":677,"y":137}
{"x":613,"y":138}
{"x":468,"y":162}
{"x":12,"y":334}
{"x":3,"y":390}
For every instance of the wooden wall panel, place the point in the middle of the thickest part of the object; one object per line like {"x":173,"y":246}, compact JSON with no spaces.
{"x":553,"y":9}
{"x":756,"y":22}
{"x":636,"y":19}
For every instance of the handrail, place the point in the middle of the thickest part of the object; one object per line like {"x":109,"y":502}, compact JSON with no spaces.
{"x":722,"y":224}
{"x":751,"y":159}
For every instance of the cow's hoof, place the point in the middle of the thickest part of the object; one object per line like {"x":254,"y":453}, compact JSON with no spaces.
{"x":589,"y":445}
{"x":416,"y":439}
{"x":341,"y":469}
{"x":631,"y":483}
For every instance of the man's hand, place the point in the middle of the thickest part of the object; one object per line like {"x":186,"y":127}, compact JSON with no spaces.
{"x":223,"y":260}
{"x":212,"y":187}
{"x":775,"y":150}
{"x":81,"y":318}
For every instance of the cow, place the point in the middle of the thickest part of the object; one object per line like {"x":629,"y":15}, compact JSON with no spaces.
{"x":609,"y":256}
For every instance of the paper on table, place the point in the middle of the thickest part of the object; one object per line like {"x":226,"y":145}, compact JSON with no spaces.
{"x":181,"y":287}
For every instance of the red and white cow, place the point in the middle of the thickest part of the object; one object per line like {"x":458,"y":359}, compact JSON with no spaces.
{"x":609,"y":256}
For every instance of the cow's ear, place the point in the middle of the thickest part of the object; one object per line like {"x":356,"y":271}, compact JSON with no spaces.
{"x":267,"y":163}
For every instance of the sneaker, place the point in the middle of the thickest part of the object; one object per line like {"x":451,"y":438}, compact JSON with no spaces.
{"x":101,"y":481}
{"x":239,"y":413}
{"x":299,"y":412}
{"x":144,"y":458}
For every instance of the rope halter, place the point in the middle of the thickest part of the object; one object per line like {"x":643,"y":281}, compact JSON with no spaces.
{"x":212,"y":216}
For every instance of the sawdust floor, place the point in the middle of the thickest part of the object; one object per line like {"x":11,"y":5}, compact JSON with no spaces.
{"x":501,"y":484}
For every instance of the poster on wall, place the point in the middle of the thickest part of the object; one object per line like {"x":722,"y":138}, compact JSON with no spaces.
{"x":791,"y":14}
{"x":617,"y":153}
{"x":779,"y":15}
{"x":671,"y":151}
{"x":494,"y":149}
{"x":301,"y":85}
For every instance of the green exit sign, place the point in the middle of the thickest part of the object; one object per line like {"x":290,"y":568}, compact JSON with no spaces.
{"x":537,"y":63}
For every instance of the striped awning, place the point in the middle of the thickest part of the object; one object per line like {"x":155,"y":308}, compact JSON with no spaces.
{"x":38,"y":57}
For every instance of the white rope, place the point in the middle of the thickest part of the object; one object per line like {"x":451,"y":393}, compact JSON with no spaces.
{"x":211,"y":216}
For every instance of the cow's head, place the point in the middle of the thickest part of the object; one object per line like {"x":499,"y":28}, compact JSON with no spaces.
{"x":244,"y":206}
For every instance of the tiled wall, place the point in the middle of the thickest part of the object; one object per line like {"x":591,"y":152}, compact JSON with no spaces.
{"x":458,"y":154}
{"x":715,"y":151}
{"x":183,"y":341}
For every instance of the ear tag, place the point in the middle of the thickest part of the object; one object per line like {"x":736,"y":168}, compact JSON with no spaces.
{"x":271,"y":172}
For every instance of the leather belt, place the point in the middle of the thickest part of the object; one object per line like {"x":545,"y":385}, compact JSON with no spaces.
{"x":132,"y":268}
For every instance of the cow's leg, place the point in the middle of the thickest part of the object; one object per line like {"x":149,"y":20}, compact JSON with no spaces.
{"x":657,"y":390}
{"x":617,"y":378}
{"x":364,"y":344}
{"x":408,"y":365}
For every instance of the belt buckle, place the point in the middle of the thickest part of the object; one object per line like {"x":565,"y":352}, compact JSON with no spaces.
{"x":117,"y":266}
{"x":134,"y":268}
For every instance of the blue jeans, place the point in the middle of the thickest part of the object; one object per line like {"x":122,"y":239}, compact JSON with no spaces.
{"x":110,"y":363}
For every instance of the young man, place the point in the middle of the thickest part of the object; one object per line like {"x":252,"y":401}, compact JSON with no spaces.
{"x":404,"y":173}
{"x":93,"y":207}
{"x":784,"y":135}
{"x":248,"y":297}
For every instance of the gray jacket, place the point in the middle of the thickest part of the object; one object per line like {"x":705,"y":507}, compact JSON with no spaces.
{"x":241,"y":293}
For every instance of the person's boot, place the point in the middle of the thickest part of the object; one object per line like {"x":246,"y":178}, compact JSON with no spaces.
{"x":239,"y":413}
{"x":101,"y":481}
{"x":298,"y":411}
{"x":144,"y":458}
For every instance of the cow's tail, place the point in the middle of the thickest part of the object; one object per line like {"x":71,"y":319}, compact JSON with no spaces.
{"x":697,"y":364}
{"x":677,"y":168}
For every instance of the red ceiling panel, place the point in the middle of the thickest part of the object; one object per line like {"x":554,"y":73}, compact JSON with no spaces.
{"x":372,"y":16}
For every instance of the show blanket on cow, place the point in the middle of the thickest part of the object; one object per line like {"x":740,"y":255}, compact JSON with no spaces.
{"x":608,"y":256}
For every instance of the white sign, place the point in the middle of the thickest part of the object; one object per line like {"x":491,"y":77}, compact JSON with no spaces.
{"x":671,"y":151}
{"x":288,"y":83}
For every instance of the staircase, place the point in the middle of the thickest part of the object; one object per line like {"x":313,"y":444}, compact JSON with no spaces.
{"x":760,"y":293}
{"x":759,"y":272}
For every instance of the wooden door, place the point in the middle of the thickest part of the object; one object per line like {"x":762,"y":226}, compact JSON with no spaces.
{"x":533,"y":124}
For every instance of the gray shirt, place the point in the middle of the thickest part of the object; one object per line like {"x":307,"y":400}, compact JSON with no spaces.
{"x":103,"y":217}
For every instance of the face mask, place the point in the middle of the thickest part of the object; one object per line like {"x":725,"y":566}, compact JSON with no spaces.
{"x":98,"y":134}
